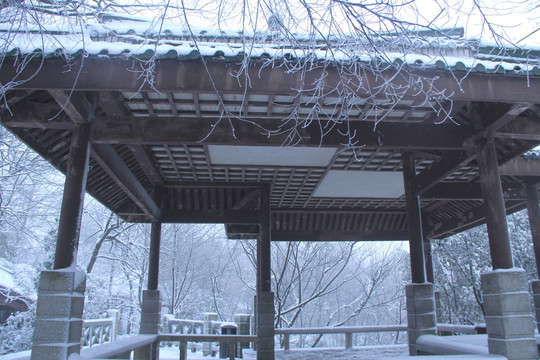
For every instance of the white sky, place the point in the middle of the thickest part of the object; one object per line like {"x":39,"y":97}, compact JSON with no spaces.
{"x":512,"y":19}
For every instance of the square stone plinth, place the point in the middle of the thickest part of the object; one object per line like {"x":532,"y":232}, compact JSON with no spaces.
{"x":265,"y":326}
{"x":150,"y":312}
{"x":58,"y":326}
{"x":509,"y":317}
{"x":421,"y":315}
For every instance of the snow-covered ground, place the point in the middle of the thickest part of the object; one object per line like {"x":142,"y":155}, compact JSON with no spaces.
{"x":361,"y":353}
{"x":386,"y":352}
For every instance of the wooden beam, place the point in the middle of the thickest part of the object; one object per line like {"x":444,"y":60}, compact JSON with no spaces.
{"x":251,"y":196}
{"x":114,"y":166}
{"x":171,"y":75}
{"x":112,"y":103}
{"x":216,"y":216}
{"x":146,"y":131}
{"x":75,"y":104}
{"x":468,"y":220}
{"x":522,"y":128}
{"x":492,"y":117}
{"x":32,"y":115}
{"x":148,"y":164}
{"x":278,"y":235}
{"x":521,"y":167}
{"x":438,"y":171}
{"x":469,"y":191}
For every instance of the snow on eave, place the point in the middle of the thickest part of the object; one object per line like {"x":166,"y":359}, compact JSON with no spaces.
{"x":96,"y":40}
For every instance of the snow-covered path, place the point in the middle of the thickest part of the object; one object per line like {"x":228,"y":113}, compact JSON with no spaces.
{"x":361,"y":353}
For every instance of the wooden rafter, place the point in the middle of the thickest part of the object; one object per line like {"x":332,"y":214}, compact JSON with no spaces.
{"x":112,"y":163}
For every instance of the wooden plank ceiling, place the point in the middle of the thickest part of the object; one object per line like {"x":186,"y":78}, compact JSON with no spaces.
{"x":155,"y":153}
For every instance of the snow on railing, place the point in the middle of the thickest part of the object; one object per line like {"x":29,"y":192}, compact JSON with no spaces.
{"x":100,"y":331}
{"x":347,"y":331}
{"x":443,"y":329}
{"x":209,"y":326}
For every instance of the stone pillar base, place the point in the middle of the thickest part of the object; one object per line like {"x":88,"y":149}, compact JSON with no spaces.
{"x":421,"y":317}
{"x":508,"y":313}
{"x":150,"y":321}
{"x":58,"y":326}
{"x":244,"y":327}
{"x":150,"y":312}
{"x":535,"y":287}
{"x":438,"y":307}
{"x":208,"y":349}
{"x":265,"y":325}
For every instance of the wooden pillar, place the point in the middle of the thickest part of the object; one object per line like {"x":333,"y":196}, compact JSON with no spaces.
{"x":151,"y":304}
{"x":416,"y":242}
{"x":507,"y":307}
{"x":499,"y":242}
{"x":153,"y":262}
{"x":265,"y":298}
{"x":263,"y":243}
{"x":533,"y":210}
{"x":60,"y":304}
{"x":430,"y":275}
{"x":69,"y":226}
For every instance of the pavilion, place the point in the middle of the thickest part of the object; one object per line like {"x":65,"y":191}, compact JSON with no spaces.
{"x":280,"y":143}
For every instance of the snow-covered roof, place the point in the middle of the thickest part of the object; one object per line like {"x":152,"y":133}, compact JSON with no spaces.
{"x":115,"y":36}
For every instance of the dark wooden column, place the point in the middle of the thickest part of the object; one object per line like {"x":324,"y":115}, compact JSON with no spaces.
{"x":153,"y":263}
{"x":73,"y":199}
{"x":263,"y":242}
{"x":416,"y":242}
{"x":430,"y":275}
{"x":534,"y":220}
{"x":499,"y":242}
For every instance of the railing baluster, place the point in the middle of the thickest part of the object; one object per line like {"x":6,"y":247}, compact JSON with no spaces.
{"x":183,"y":350}
{"x":348,"y":340}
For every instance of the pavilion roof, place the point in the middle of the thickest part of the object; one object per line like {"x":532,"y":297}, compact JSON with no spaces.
{"x":190,"y":142}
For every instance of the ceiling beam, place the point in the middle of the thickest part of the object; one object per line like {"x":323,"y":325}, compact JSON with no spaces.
{"x":172,"y":75}
{"x":33,"y":115}
{"x":340,"y":235}
{"x":521,"y":167}
{"x":112,"y":103}
{"x":523,"y":128}
{"x":469,"y":191}
{"x":250,"y":197}
{"x":114,"y":166}
{"x":469,"y":219}
{"x":154,"y":130}
{"x":147,"y":164}
{"x":75,"y":104}
{"x":216,"y":216}
{"x":492,"y":117}
{"x":489,"y":117}
{"x":438,"y":171}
